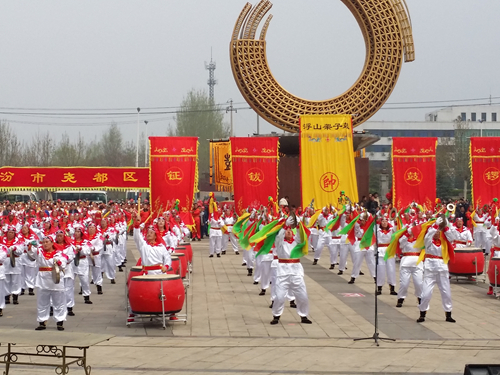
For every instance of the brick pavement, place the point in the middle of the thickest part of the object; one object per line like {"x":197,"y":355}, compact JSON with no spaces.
{"x":229,"y":332}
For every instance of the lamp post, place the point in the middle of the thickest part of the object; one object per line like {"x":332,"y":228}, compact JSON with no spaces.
{"x":481,"y":128}
{"x":146,"y":148}
{"x":137,"y":141}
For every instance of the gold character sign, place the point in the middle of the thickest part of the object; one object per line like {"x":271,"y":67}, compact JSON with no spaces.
{"x":387,"y":32}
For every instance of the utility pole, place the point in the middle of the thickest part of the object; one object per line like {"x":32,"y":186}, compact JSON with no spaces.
{"x":147,"y":144}
{"x":211,"y":66}
{"x":231,"y":109}
{"x":137,"y":141}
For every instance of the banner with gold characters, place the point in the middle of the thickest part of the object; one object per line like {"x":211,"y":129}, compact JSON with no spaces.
{"x":174,"y":171}
{"x":414,"y":171}
{"x":73,"y":178}
{"x":255,"y":171}
{"x":327,"y":160}
{"x":221,"y":172}
{"x":485,"y":170}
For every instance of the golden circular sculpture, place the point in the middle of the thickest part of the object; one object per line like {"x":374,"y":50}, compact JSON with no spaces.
{"x":386,"y":29}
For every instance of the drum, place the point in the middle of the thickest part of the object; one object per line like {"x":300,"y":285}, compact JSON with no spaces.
{"x":491,"y":271}
{"x":176,"y":264}
{"x":183,"y":262}
{"x":186,"y":249}
{"x":465,"y":262}
{"x":145,"y":294}
{"x":139,"y":262}
{"x":134,"y":271}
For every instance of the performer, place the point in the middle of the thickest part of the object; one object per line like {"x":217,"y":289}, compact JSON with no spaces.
{"x":96,"y":246}
{"x":3,"y":259}
{"x":436,"y":269}
{"x":289,"y":274}
{"x":28,"y":266}
{"x":345,"y":248}
{"x":13,"y":281}
{"x":216,"y":224}
{"x":83,"y":250}
{"x":360,"y":254}
{"x":64,"y":245}
{"x":229,"y":220}
{"x":464,"y":236}
{"x":480,"y":229}
{"x":324,"y":235}
{"x":108,"y":258}
{"x":385,"y":268}
{"x":409,"y":268}
{"x":197,"y":221}
{"x":495,"y":249}
{"x":47,"y":291}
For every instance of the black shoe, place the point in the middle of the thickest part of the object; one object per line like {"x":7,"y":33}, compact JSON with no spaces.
{"x":393,"y":291}
{"x":1,"y":312}
{"x":224,"y":252}
{"x":41,"y":326}
{"x":332,"y":266}
{"x":211,"y":256}
{"x":80,"y":292}
{"x":120,"y":269}
{"x":243,"y":264}
{"x":113,"y":281}
{"x":361,"y":273}
{"x":99,"y":289}
{"x":379,"y":291}
{"x":87,"y":300}
{"x":255,"y":283}
{"x":449,"y":318}
{"x":218,"y":255}
{"x":51,"y":313}
{"x":340,"y":273}
{"x":271,"y":305}
{"x":70,"y":311}
{"x":60,"y":326}
{"x":276,"y":320}
{"x":31,"y":292}
{"x":92,"y":282}
{"x":262,"y":292}
{"x":236,"y":253}
{"x":351,"y":281}
{"x":250,"y":271}
{"x":315,"y":262}
{"x":293,"y":305}
{"x":304,"y":320}
{"x":7,"y":300}
{"x":15,"y":300}
{"x":400,"y":302}
{"x":22,"y":292}
{"x":422,"y":317}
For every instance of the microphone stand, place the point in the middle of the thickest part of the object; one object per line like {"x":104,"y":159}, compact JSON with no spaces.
{"x":376,"y":337}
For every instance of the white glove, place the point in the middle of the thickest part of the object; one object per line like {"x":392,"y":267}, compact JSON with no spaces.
{"x":439,"y":221}
{"x":289,"y":221}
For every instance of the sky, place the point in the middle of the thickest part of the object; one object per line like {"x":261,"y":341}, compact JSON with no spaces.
{"x":94,"y":56}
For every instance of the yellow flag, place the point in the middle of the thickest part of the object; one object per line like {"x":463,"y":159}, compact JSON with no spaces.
{"x":327,"y":159}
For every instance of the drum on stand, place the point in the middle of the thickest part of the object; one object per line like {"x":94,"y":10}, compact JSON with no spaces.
{"x":134,"y":271}
{"x":494,"y":273}
{"x":469,"y":261}
{"x":145,"y":294}
{"x":183,"y":263}
{"x":176,"y":264}
{"x":188,"y":251}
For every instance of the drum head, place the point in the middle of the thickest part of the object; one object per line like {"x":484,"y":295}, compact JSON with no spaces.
{"x":161,"y":277}
{"x":174,"y":257}
{"x":180,"y":254}
{"x":136,"y":269}
{"x":56,"y":274}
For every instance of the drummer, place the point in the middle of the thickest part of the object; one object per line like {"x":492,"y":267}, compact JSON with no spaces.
{"x":154,"y":254}
{"x":464,"y":238}
{"x":49,"y":290}
{"x":495,"y":246}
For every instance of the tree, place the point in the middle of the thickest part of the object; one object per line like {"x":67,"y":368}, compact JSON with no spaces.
{"x":200,"y":117}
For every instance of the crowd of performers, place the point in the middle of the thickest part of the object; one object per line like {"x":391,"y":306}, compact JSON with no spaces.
{"x":45,"y":247}
{"x":422,"y":240}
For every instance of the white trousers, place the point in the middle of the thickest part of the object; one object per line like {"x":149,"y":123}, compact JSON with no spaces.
{"x":313,"y":241}
{"x":386,"y":269}
{"x":295,"y":284}
{"x":407,"y":273}
{"x":369,"y":256}
{"x":334,"y":249}
{"x":28,"y":276}
{"x":248,"y":257}
{"x":289,"y":294}
{"x":85,"y":284}
{"x":69,"y":291}
{"x":265,"y":273}
{"x":323,"y":240}
{"x":108,"y":266}
{"x":480,"y":240}
{"x":13,"y":283}
{"x":234,"y":242}
{"x":345,"y":249}
{"x":2,"y":294}
{"x":215,"y":244}
{"x":43,"y":302}
{"x":258,"y":268}
{"x":442,"y":279}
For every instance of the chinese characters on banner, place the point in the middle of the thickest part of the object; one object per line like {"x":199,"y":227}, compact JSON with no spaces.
{"x":98,"y":178}
{"x":174,"y":173}
{"x":255,"y":171}
{"x":485,"y":169}
{"x":221,"y":173}
{"x":327,"y":160}
{"x":414,"y":171}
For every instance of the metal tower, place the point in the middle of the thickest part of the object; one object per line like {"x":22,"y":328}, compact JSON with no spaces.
{"x":211,"y":66}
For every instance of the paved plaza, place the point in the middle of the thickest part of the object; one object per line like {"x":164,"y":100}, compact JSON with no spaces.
{"x":228,"y":330}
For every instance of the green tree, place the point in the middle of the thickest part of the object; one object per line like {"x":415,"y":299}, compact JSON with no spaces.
{"x":200,"y":117}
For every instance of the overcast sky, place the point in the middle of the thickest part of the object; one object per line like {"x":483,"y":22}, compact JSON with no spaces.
{"x":107,"y":54}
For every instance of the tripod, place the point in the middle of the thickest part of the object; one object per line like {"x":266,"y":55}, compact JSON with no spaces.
{"x":376,"y":335}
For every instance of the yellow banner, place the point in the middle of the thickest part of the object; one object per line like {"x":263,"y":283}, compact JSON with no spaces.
{"x":221,"y":171}
{"x":327,"y":160}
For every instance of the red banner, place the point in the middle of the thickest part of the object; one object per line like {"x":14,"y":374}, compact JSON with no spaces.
{"x":485,"y":169}
{"x":73,"y":178}
{"x":174,"y":172}
{"x":255,"y":170}
{"x":414,"y":171}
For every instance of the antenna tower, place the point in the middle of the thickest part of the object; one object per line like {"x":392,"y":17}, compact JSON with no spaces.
{"x":211,"y":66}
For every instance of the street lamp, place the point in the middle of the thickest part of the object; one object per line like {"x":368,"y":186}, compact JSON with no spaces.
{"x":481,"y":122}
{"x":137,"y":141}
{"x":146,"y":148}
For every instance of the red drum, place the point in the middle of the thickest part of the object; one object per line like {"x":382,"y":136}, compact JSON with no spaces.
{"x":176,"y":264}
{"x":139,"y":262}
{"x":145,"y":292}
{"x":188,"y":250}
{"x":183,"y":262}
{"x":491,"y":271}
{"x":134,"y":271}
{"x":465,"y":262}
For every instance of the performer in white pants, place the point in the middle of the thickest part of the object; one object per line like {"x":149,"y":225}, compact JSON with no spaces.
{"x":3,"y":259}
{"x":480,"y":228}
{"x":336,"y":244}
{"x":229,"y":221}
{"x":409,"y":269}
{"x":216,"y":223}
{"x":95,"y":257}
{"x":28,"y":266}
{"x":13,"y":275}
{"x":495,"y":249}
{"x":386,"y":269}
{"x":108,"y":254}
{"x":83,"y":249}
{"x":367,"y":254}
{"x":289,"y":274}
{"x":47,"y":291}
{"x":64,"y":245}
{"x":436,"y":270}
{"x":324,"y":236}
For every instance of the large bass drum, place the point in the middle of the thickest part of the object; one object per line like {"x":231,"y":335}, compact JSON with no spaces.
{"x":145,"y":294}
{"x":176,"y":265}
{"x":183,"y":263}
{"x":467,"y":261}
{"x":186,"y":248}
{"x":492,"y":271}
